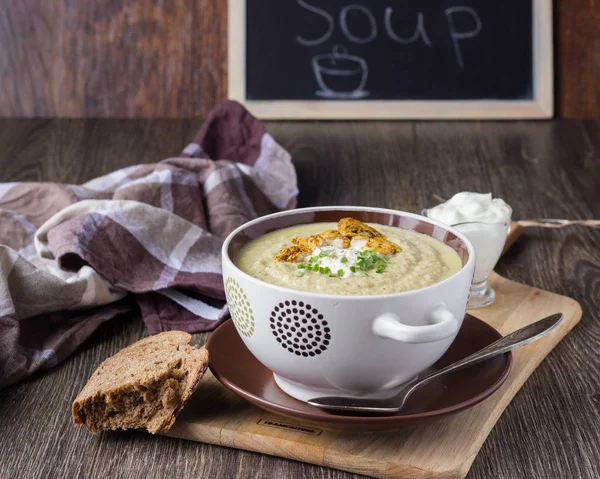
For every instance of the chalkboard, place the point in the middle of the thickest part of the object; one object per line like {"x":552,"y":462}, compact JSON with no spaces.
{"x":321,"y":55}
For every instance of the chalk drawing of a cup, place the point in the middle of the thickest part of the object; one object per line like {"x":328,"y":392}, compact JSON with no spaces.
{"x":340,"y":75}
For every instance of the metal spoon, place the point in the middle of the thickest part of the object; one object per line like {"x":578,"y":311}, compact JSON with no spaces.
{"x":394,"y":404}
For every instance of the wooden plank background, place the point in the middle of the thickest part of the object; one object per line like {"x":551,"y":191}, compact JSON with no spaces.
{"x":577,"y":58}
{"x":159,"y":58}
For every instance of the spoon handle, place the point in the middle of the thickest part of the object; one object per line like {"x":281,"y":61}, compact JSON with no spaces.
{"x":511,"y":341}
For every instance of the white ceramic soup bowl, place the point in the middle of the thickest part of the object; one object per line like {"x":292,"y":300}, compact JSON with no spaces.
{"x":362,"y":346}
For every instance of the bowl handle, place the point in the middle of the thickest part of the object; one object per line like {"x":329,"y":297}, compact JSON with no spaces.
{"x":444,"y":325}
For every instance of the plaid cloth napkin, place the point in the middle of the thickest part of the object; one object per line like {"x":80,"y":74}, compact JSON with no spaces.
{"x":147,"y":236}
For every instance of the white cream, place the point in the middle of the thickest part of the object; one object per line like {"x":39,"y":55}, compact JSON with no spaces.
{"x":467,"y":206}
{"x":334,"y":260}
{"x":485,"y":221}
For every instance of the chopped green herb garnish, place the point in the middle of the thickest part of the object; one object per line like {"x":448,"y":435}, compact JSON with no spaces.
{"x":369,"y":259}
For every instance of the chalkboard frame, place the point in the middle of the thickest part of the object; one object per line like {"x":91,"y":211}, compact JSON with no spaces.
{"x":541,"y":106}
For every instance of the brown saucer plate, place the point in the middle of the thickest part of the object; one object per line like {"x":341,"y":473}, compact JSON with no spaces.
{"x":238,"y":370}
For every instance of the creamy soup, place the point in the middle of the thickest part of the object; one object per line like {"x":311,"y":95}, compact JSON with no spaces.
{"x":355,"y":270}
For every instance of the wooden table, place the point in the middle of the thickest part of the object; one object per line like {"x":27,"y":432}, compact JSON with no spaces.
{"x":543,"y":169}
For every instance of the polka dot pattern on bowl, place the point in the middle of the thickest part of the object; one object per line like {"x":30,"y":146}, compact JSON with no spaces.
{"x":300,"y":328}
{"x":239,"y":307}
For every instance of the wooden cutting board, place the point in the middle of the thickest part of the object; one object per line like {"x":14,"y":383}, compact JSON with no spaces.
{"x":442,"y":449}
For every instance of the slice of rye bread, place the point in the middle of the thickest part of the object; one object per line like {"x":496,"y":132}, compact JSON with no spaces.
{"x":143,"y":386}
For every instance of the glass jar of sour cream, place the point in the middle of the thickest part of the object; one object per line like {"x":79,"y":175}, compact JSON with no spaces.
{"x":485,"y":221}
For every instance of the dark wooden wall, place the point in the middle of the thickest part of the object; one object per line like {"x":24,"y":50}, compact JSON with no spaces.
{"x":125,"y":58}
{"x":577,"y":58}
{"x":167,"y":58}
